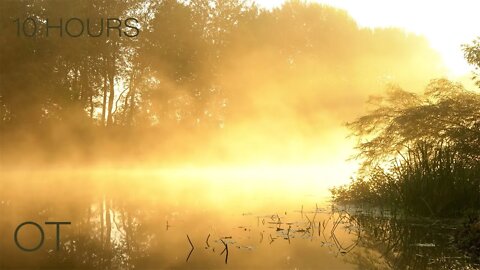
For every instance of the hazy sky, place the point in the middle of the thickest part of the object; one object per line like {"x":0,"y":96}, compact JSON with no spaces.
{"x":446,"y":24}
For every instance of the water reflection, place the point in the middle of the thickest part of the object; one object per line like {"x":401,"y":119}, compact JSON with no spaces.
{"x":138,"y":223}
{"x":406,"y":243}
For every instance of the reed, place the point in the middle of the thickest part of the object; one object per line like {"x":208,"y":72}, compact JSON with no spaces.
{"x":430,"y":181}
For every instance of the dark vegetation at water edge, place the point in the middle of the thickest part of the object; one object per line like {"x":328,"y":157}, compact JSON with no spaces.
{"x":420,"y":153}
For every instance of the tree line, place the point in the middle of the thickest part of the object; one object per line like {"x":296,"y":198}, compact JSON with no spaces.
{"x":195,"y":65}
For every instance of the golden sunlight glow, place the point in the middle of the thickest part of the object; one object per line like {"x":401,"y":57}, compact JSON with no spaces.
{"x":303,"y":134}
{"x":302,"y":177}
{"x":446,"y":24}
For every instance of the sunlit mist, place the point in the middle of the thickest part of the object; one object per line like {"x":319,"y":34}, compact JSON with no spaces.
{"x":269,"y":134}
{"x":446,"y":24}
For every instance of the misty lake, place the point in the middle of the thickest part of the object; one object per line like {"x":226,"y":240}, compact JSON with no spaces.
{"x":146,"y":221}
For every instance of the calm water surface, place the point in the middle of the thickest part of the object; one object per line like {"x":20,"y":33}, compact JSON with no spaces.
{"x":145,"y":221}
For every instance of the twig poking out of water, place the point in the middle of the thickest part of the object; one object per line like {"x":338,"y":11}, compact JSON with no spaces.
{"x":309,"y":221}
{"x":335,"y":224}
{"x":206,"y":241}
{"x":288,"y":233}
{"x":190,"y":241}
{"x":226,"y":249}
